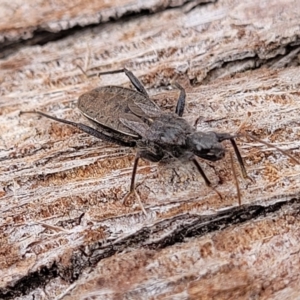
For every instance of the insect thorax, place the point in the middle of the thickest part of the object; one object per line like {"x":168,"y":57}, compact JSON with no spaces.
{"x":166,"y":137}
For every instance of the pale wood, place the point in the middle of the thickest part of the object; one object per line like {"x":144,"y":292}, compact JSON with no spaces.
{"x":61,"y":190}
{"x":20,"y":21}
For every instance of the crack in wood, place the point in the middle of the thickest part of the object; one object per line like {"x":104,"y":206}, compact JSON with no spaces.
{"x":184,"y":226}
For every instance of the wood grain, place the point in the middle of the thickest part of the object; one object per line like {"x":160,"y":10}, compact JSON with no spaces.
{"x":64,"y":231}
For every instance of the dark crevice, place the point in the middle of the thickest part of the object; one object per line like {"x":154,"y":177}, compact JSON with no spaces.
{"x":180,"y":228}
{"x":42,"y":36}
{"x":252,"y":63}
{"x":30,"y":282}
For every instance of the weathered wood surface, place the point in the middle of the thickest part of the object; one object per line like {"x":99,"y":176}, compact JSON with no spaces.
{"x":65,"y":233}
{"x":44,"y":21}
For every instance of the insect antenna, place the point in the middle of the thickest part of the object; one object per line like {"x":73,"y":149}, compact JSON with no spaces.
{"x":270,"y":145}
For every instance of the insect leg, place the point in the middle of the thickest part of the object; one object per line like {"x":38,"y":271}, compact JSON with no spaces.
{"x":235,"y":179}
{"x":155,"y":155}
{"x":239,"y":157}
{"x":87,"y":129}
{"x":181,"y":100}
{"x":207,"y":182}
{"x":151,"y":156}
{"x":135,"y":164}
{"x":135,"y":81}
{"x":132,"y":184}
{"x":225,"y":136}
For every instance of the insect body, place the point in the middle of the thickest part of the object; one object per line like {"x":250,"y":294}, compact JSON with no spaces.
{"x":130,"y":118}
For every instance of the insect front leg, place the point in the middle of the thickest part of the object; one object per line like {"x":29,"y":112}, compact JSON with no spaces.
{"x":207,"y":181}
{"x":200,"y":170}
{"x":225,"y":136}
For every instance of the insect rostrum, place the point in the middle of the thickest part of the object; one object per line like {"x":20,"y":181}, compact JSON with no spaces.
{"x":130,"y":118}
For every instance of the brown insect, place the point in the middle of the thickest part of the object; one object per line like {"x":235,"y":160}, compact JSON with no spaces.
{"x":130,"y":118}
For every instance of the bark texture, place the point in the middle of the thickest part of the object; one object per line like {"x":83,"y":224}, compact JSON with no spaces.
{"x":64,"y":231}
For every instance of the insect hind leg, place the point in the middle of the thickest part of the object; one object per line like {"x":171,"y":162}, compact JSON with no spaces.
{"x":87,"y":129}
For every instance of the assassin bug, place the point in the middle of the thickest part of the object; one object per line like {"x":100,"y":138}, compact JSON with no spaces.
{"x":130,"y":118}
